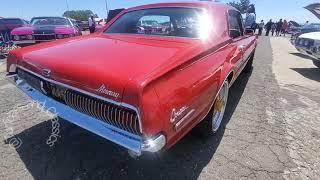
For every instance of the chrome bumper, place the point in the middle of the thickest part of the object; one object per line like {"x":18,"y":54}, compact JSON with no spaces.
{"x":24,"y":42}
{"x":128,"y":140}
{"x":308,"y":52}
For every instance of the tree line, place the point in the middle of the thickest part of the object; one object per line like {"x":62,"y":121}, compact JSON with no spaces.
{"x":80,"y":15}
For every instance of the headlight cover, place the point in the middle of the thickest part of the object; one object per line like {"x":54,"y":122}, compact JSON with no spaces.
{"x":16,"y":37}
{"x":30,"y":37}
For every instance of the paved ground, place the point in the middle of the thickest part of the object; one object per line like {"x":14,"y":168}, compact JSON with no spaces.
{"x":271,"y":131}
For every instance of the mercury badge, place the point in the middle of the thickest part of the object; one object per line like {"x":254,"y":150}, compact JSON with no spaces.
{"x":103,"y":89}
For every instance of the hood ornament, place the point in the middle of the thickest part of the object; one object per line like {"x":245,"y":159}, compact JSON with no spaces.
{"x":104,"y":90}
{"x":46,"y":72}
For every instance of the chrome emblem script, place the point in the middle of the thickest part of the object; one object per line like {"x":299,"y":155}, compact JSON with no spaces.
{"x":175,"y":114}
{"x":46,"y":72}
{"x":103,"y":90}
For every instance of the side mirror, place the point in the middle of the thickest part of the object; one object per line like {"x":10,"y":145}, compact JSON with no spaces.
{"x":249,"y":32}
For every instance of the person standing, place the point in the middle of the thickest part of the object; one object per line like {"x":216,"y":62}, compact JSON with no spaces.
{"x":92,"y":24}
{"x":279,"y":27}
{"x":285,"y":26}
{"x":268,"y":27}
{"x":273,"y":28}
{"x":261,"y":26}
{"x":250,"y":21}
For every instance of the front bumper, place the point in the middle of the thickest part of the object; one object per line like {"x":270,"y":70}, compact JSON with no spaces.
{"x":128,"y":140}
{"x":308,"y":52}
{"x":24,"y":42}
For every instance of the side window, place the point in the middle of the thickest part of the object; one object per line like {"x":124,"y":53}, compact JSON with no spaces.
{"x":235,"y":24}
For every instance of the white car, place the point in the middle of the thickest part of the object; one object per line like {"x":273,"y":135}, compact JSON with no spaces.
{"x":309,"y":43}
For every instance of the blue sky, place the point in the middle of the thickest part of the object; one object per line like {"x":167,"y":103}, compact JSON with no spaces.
{"x":266,"y":9}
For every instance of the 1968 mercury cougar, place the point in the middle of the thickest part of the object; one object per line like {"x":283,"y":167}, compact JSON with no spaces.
{"x":142,"y":89}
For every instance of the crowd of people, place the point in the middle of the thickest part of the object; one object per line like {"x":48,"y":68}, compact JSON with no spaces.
{"x":276,"y":28}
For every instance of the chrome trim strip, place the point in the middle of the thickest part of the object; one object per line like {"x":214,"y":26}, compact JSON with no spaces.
{"x":24,"y":42}
{"x":89,"y":94}
{"x":177,"y":125}
{"x":51,"y":34}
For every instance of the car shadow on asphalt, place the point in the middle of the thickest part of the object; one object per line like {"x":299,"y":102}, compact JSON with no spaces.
{"x":302,"y":56}
{"x":79,"y":154}
{"x":310,"y":73}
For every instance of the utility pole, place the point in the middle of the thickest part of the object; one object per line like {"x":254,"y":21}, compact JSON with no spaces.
{"x":107,"y":8}
{"x":67,"y":5}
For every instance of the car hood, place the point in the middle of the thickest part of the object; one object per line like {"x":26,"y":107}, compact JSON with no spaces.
{"x":9,"y":27}
{"x":312,"y":35}
{"x":48,"y":29}
{"x":314,"y":8}
{"x":97,"y":62}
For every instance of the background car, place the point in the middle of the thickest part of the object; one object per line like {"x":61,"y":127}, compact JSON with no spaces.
{"x":293,"y":27}
{"x":42,"y":29}
{"x":307,"y":28}
{"x":308,"y":42}
{"x":8,"y":24}
{"x":113,"y":13}
{"x":296,"y":32}
{"x":83,"y":25}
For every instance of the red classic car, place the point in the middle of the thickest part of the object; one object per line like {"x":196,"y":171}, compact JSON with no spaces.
{"x":43,"y":29}
{"x":141,"y":91}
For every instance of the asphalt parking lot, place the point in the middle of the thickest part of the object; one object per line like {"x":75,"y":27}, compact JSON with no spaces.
{"x":271,"y":131}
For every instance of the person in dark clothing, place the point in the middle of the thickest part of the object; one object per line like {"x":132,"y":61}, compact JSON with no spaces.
{"x":279,"y":27}
{"x":268,"y":27}
{"x":273,"y":28}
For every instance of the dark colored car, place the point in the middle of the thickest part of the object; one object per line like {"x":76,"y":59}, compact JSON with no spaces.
{"x":8,"y":24}
{"x":113,"y":13}
{"x":83,"y":25}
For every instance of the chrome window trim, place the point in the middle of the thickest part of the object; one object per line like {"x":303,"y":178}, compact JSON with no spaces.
{"x":121,"y":104}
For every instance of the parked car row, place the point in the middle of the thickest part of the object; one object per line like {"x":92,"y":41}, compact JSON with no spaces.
{"x":43,"y":29}
{"x":307,"y":39}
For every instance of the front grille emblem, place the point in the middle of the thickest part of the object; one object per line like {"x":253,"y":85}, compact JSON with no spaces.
{"x":46,"y":72}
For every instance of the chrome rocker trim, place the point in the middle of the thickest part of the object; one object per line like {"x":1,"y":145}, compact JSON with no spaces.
{"x":130,"y":141}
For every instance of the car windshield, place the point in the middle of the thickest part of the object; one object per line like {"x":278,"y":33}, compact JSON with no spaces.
{"x":170,"y":21}
{"x":10,"y":21}
{"x":50,"y":21}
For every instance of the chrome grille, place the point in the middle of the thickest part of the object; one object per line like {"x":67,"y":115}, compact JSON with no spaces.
{"x":44,"y":37}
{"x":120,"y":117}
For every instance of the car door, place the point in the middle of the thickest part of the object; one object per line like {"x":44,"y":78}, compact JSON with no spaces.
{"x":236,"y":32}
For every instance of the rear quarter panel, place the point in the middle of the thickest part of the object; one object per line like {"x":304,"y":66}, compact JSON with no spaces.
{"x":194,"y":86}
